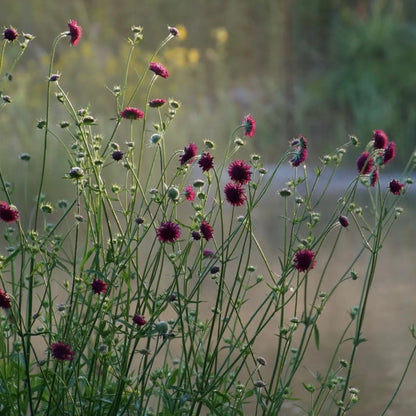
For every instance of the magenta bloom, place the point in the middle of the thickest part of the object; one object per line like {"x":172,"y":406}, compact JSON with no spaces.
{"x":299,"y":157}
{"x":139,"y":320}
{"x":4,"y":300}
{"x":8,"y":213}
{"x":10,"y":34}
{"x":189,"y":193}
{"x":159,"y":69}
{"x":188,"y":154}
{"x":239,"y":172}
{"x":168,"y":232}
{"x":208,"y":253}
{"x":132,"y":113}
{"x":234,"y":194}
{"x":396,"y":187}
{"x":206,"y":230}
{"x":117,"y":155}
{"x":75,"y":31}
{"x":249,"y":125}
{"x":380,"y":139}
{"x":365,"y":163}
{"x":206,"y":162}
{"x":343,"y":220}
{"x":304,"y":260}
{"x":98,"y":286}
{"x":62,"y":351}
{"x":374,"y":177}
{"x":156,"y":102}
{"x":389,"y":153}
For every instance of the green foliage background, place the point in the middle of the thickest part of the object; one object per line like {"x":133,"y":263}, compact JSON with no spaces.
{"x":323,"y":68}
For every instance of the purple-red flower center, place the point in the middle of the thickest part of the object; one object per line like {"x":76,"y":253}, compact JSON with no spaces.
{"x":98,"y":286}
{"x":62,"y":351}
{"x":206,"y":162}
{"x":304,"y":260}
{"x":206,"y":230}
{"x":159,"y":69}
{"x":8,"y":213}
{"x":239,"y":172}
{"x":396,"y":187}
{"x":168,"y":232}
{"x":188,"y":154}
{"x":75,"y":31}
{"x":234,"y":194}
{"x":249,"y":125}
{"x":132,"y":113}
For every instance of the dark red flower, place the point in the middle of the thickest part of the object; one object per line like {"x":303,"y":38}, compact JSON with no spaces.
{"x":10,"y":34}
{"x":206,"y":162}
{"x":188,"y":154}
{"x":189,"y":193}
{"x":380,"y":139}
{"x":168,"y":232}
{"x":62,"y":351}
{"x":389,"y":153}
{"x":4,"y":300}
{"x":196,"y":236}
{"x":117,"y":155}
{"x":304,"y":260}
{"x":8,"y":213}
{"x":396,"y":187}
{"x":208,"y":253}
{"x":132,"y":113}
{"x":139,"y":320}
{"x":206,"y":230}
{"x":249,"y":125}
{"x":75,"y":32}
{"x":156,"y":102}
{"x":98,"y":286}
{"x":374,"y":177}
{"x":234,"y":194}
{"x":301,"y":154}
{"x":159,"y":69}
{"x":239,"y":172}
{"x":343,"y":220}
{"x":365,"y":163}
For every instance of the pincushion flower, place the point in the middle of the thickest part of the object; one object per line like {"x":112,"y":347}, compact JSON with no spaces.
{"x":374,"y":177}
{"x":234,"y":194}
{"x":75,"y":31}
{"x":380,"y":139}
{"x":299,"y":157}
{"x":389,"y":153}
{"x":343,"y":220}
{"x":156,"y":102}
{"x":98,"y":286}
{"x":206,"y":230}
{"x":206,"y":162}
{"x":117,"y":155}
{"x":239,"y":172}
{"x":189,"y":193}
{"x":365,"y":163}
{"x":4,"y":300}
{"x":159,"y":69}
{"x":132,"y":113}
{"x":10,"y":34}
{"x":249,"y":125}
{"x":8,"y":213}
{"x":62,"y":351}
{"x":396,"y":187}
{"x":188,"y":154}
{"x":139,"y":320}
{"x":304,"y":260}
{"x":168,"y":232}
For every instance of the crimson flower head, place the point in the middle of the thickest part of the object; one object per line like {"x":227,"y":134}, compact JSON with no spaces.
{"x":75,"y":31}
{"x":389,"y":153}
{"x":168,"y":232}
{"x":396,"y":187}
{"x":365,"y":163}
{"x":188,"y":153}
{"x":156,"y":102}
{"x":374,"y":177}
{"x":132,"y":113}
{"x":62,"y":351}
{"x":380,"y":139}
{"x":117,"y":155}
{"x":10,"y":34}
{"x":159,"y":69}
{"x":8,"y":213}
{"x":304,"y":260}
{"x":98,"y":286}
{"x":206,"y":162}
{"x":189,"y":193}
{"x":4,"y":300}
{"x":206,"y":230}
{"x":234,"y":194}
{"x":139,"y":320}
{"x":343,"y":220}
{"x":249,"y":125}
{"x":239,"y":172}
{"x":300,"y":152}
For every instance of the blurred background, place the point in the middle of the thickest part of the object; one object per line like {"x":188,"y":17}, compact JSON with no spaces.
{"x":321,"y":68}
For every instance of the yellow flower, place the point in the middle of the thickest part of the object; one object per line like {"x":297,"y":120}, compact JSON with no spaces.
{"x":182,"y":32}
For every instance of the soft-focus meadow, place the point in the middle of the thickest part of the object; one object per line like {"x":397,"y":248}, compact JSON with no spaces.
{"x":324,"y":70}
